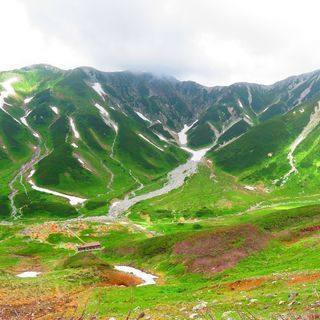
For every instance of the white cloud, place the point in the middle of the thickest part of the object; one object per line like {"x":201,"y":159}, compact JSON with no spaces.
{"x":210,"y":41}
{"x":25,"y":43}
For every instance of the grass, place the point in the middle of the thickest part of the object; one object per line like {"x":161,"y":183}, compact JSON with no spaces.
{"x":67,"y":271}
{"x":208,"y":193}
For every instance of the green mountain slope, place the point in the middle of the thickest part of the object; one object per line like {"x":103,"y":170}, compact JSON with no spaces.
{"x":102,"y":136}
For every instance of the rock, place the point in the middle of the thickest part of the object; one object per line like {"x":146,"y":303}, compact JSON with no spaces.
{"x":227,"y":315}
{"x":202,"y":305}
{"x":253,"y":300}
{"x":270,"y":295}
{"x":282,"y":302}
{"x":291,"y":303}
{"x":193,"y":316}
{"x":292,"y":295}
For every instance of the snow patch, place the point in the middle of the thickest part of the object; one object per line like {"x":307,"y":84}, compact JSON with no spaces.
{"x":82,"y":162}
{"x":160,"y":136}
{"x":24,"y":121}
{"x":106,"y":117}
{"x":28,"y":274}
{"x":305,"y":92}
{"x":24,"y":118}
{"x":31,"y":173}
{"x":146,"y":139}
{"x":148,"y":279}
{"x":98,"y":89}
{"x":76,"y":133}
{"x":240,"y":104}
{"x":250,"y":188}
{"x":74,"y":145}
{"x":248,"y":120}
{"x":27,"y":100}
{"x":72,"y":199}
{"x":182,"y":135}
{"x":54,"y":109}
{"x":143,"y":117}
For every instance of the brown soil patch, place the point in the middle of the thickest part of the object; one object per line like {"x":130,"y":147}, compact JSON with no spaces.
{"x":126,"y":250}
{"x":117,"y":278}
{"x":27,"y":263}
{"x":35,"y":307}
{"x":224,"y":203}
{"x":43,"y":303}
{"x":246,"y":284}
{"x":215,"y":251}
{"x":303,"y":278}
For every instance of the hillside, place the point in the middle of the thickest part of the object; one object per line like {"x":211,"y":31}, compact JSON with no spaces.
{"x":92,"y":137}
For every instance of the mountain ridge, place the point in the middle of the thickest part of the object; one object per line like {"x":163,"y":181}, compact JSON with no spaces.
{"x":106,"y":135}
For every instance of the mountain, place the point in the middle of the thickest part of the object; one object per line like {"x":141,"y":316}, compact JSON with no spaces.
{"x":94,"y":137}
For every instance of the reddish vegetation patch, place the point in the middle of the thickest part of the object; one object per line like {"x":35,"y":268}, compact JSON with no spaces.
{"x":303,"y":278}
{"x":291,"y":237}
{"x":215,"y":251}
{"x":126,"y":250}
{"x":246,"y":284}
{"x":311,"y":229}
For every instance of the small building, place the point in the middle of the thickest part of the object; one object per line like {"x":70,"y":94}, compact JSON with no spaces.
{"x":89,"y":246}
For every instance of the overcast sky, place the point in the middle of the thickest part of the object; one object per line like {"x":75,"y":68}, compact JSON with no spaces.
{"x":214,"y":42}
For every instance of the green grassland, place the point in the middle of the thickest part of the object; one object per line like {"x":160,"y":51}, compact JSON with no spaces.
{"x":264,"y":274}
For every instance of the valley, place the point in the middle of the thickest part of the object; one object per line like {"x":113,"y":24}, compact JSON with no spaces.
{"x":204,"y":201}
